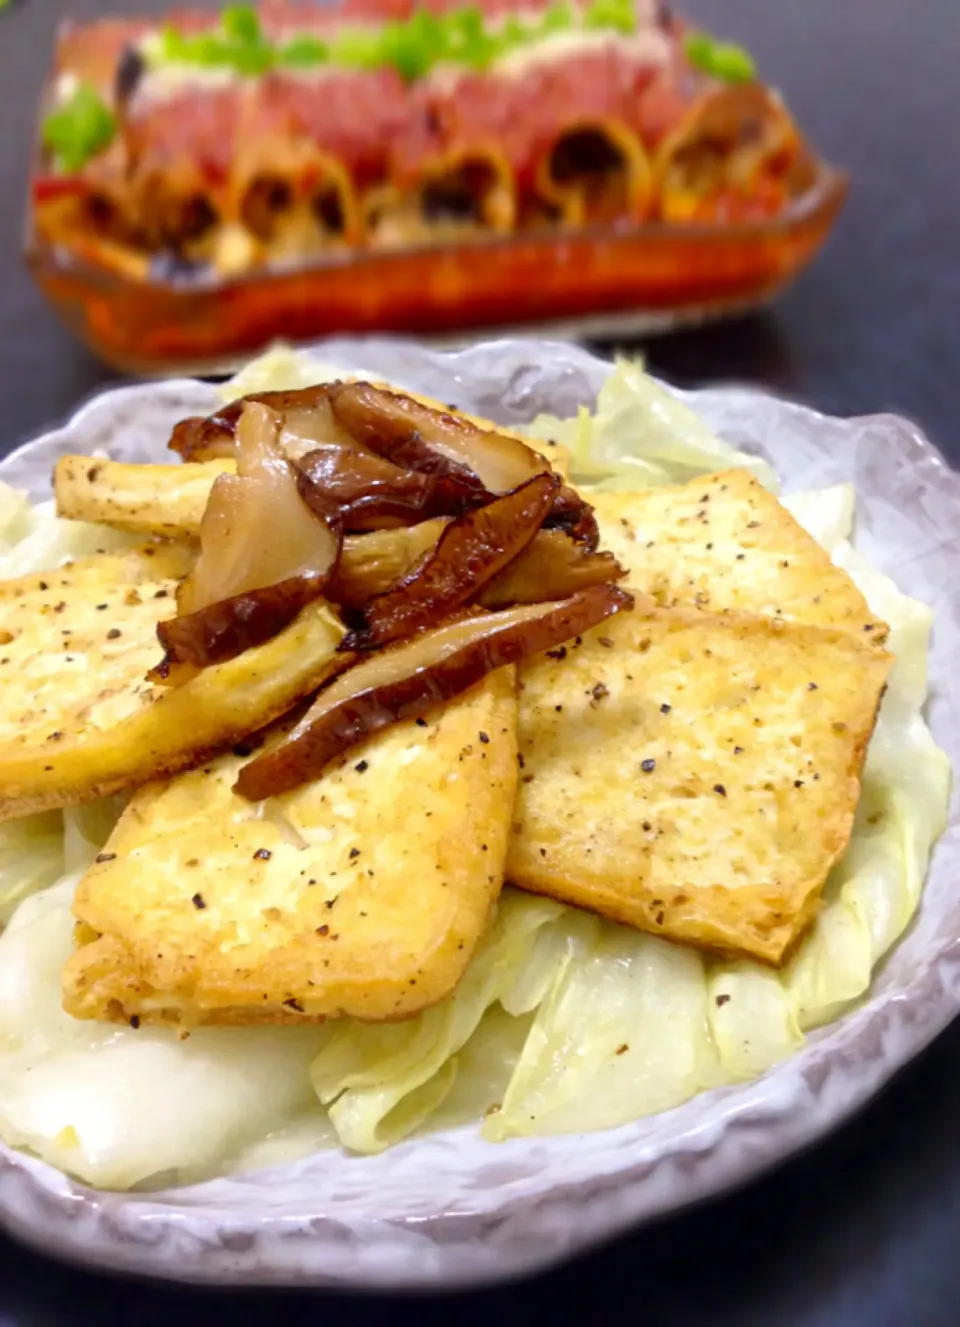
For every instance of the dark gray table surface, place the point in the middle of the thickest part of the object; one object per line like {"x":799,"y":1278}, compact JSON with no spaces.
{"x":864,"y":1229}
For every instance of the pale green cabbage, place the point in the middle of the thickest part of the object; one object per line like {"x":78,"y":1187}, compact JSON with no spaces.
{"x":630,"y":1024}
{"x":641,"y":436}
{"x":563,"y":1022}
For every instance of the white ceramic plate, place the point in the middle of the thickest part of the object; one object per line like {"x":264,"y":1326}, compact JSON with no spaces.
{"x":449,"y":1210}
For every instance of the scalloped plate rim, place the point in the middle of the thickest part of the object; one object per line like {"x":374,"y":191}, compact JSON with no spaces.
{"x":717,"y":1141}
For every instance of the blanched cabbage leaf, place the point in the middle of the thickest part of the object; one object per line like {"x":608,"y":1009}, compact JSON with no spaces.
{"x":281,"y":369}
{"x":118,"y":1106}
{"x":383,"y":1080}
{"x":563,"y":1022}
{"x":45,"y":541}
{"x":641,"y":436}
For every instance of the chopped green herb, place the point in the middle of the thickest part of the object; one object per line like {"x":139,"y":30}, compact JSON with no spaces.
{"x":356,"y":49}
{"x":251,"y":59}
{"x":303,"y":52}
{"x":241,"y":23}
{"x":618,"y":15}
{"x":559,"y":17}
{"x":722,"y":60}
{"x":415,"y":45}
{"x":78,"y":129}
{"x":732,"y":63}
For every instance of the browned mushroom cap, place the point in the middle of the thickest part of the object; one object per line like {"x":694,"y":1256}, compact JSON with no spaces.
{"x":552,"y":566}
{"x":371,"y":493}
{"x":419,"y":437}
{"x":371,"y":563}
{"x":405,"y":680}
{"x":222,"y":630}
{"x":214,"y":436}
{"x":469,"y":553}
{"x":256,"y":530}
{"x":264,"y":555}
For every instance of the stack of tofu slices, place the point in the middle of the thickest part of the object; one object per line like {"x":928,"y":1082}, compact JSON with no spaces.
{"x":680,"y":753}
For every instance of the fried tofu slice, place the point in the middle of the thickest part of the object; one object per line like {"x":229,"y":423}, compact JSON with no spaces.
{"x":723,"y":543}
{"x":363,"y":893}
{"x":167,"y":500}
{"x":78,"y":718}
{"x":694,"y":775}
{"x":76,"y":642}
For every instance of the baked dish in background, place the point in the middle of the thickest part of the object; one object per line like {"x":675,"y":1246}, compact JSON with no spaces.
{"x":418,"y":167}
{"x":535,"y":780}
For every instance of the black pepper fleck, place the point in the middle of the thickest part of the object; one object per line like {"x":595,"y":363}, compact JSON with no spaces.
{"x":198,"y":902}
{"x":722,"y":1000}
{"x":720,"y":789}
{"x":113,"y":633}
{"x":665,"y":708}
{"x":483,"y":737}
{"x":354,"y":852}
{"x":135,"y":1021}
{"x":262,"y":855}
{"x":648,"y":765}
{"x":361,"y":766}
{"x":106,"y":856}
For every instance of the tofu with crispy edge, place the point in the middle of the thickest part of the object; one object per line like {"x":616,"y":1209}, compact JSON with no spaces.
{"x":78,"y":640}
{"x":78,"y":717}
{"x":362,"y":893}
{"x":724,"y":543}
{"x":694,"y":775}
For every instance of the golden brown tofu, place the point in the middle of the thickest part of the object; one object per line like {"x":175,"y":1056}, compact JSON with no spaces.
{"x":363,"y":893}
{"x":169,"y":500}
{"x":164,"y":500}
{"x":694,"y":775}
{"x":77,"y":641}
{"x":78,"y":719}
{"x":724,"y":543}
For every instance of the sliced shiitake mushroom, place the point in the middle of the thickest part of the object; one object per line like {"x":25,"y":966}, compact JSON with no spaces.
{"x":214,"y":437}
{"x":264,"y":555}
{"x":405,"y":680}
{"x":468,"y":555}
{"x":419,"y":437}
{"x":371,"y":493}
{"x":552,"y":566}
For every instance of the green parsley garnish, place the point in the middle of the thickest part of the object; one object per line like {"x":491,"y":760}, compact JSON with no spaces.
{"x":412,"y":46}
{"x":78,"y":129}
{"x":241,"y":24}
{"x":723,"y":60}
{"x":303,"y":52}
{"x":618,"y":15}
